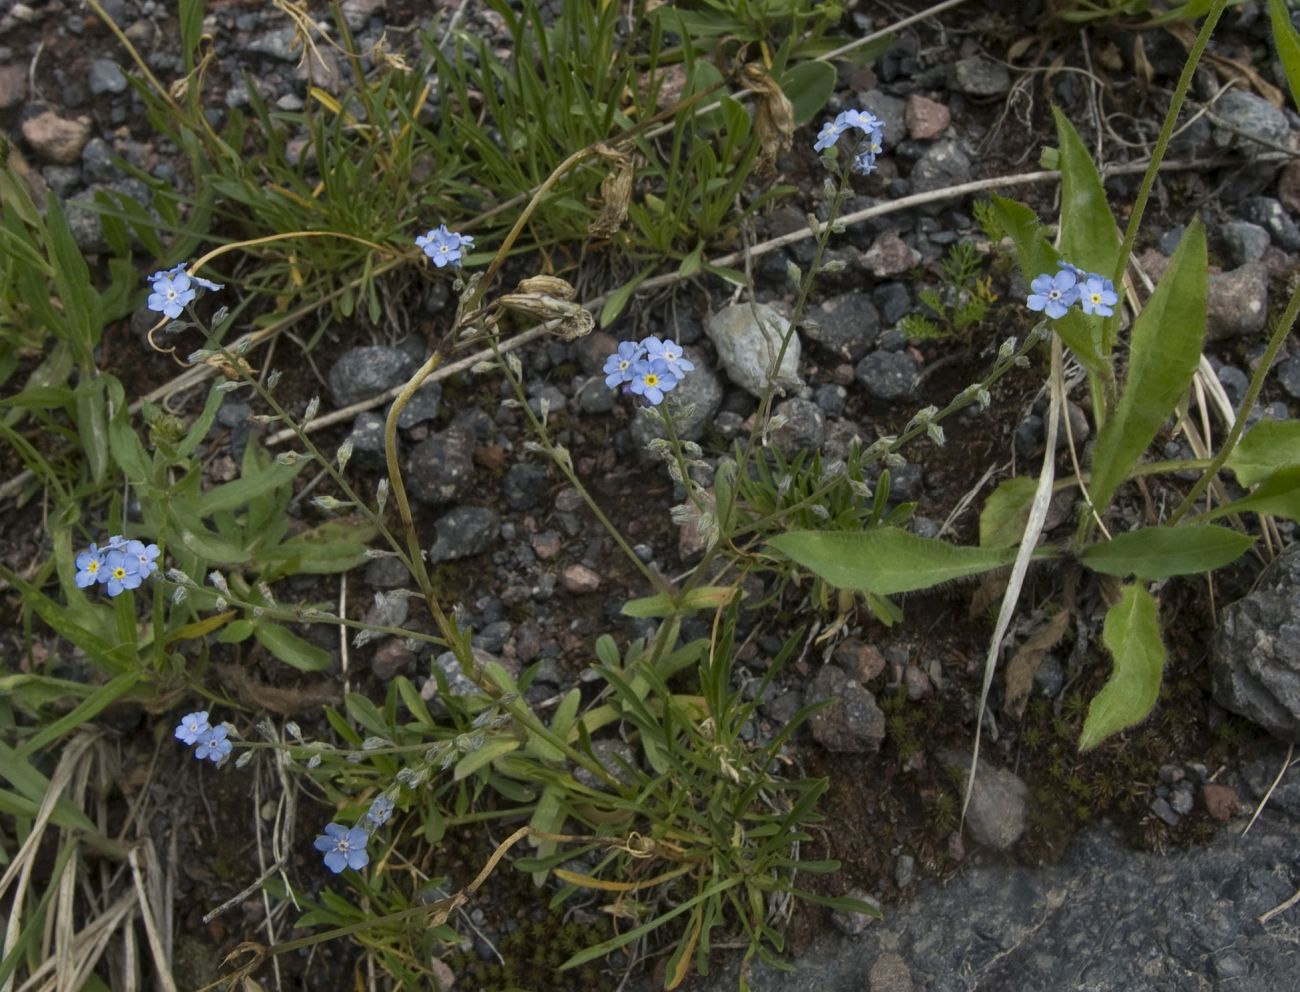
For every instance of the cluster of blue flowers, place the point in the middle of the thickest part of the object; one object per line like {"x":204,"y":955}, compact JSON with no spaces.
{"x":445,"y":247}
{"x":1055,"y":294}
{"x":122,"y":564}
{"x":871,"y":131}
{"x":174,"y":290}
{"x":649,"y":367}
{"x":345,"y":847}
{"x":209,"y":742}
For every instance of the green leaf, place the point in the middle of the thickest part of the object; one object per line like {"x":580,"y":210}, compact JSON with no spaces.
{"x":1003,"y":519}
{"x":334,"y":546}
{"x":248,"y":487}
{"x":1089,"y":238}
{"x":1268,"y":446}
{"x":662,"y":605}
{"x":292,"y":649}
{"x":1132,"y":636}
{"x":808,"y":86}
{"x":618,"y":300}
{"x":90,"y":707}
{"x":92,"y":424}
{"x":485,"y":755}
{"x":887,"y":560}
{"x":1278,"y":495}
{"x":1288,"y":47}
{"x":1163,"y":356}
{"x":1154,"y":553}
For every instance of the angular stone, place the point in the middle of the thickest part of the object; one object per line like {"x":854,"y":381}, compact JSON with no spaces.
{"x":804,"y":429}
{"x":440,"y":468}
{"x":748,"y":338}
{"x":692,"y":405}
{"x":926,"y":118}
{"x":890,"y":255}
{"x":999,"y":811}
{"x":853,"y":724}
{"x":887,"y":376}
{"x":579,"y":579}
{"x":465,"y":531}
{"x":979,"y":76}
{"x":846,"y":325}
{"x":361,"y":373}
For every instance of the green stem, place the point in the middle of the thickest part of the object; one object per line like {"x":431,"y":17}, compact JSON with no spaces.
{"x":1275,"y":343}
{"x":1111,"y":326}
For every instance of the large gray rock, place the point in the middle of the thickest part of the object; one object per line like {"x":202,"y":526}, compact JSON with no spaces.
{"x":846,"y":325}
{"x":441,"y":467}
{"x":1255,"y":653}
{"x":998,"y":811}
{"x":1105,"y":919}
{"x":852,"y":723}
{"x":748,"y":337}
{"x":464,"y":531}
{"x":361,"y":373}
{"x":1251,"y":117}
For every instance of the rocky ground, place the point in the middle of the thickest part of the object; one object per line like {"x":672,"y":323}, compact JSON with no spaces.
{"x":1158,"y":891}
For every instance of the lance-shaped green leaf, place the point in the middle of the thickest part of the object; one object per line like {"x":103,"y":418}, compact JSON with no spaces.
{"x":1132,"y":636}
{"x":887,"y":560}
{"x":1278,"y":496}
{"x":1268,"y":446}
{"x":1164,"y":354}
{"x":1089,"y":238}
{"x":1153,"y":553}
{"x":1003,"y":519}
{"x":292,"y":649}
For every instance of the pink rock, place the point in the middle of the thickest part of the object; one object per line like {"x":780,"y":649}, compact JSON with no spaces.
{"x":55,"y":138}
{"x":890,"y":256}
{"x":579,"y":579}
{"x":925,"y":118}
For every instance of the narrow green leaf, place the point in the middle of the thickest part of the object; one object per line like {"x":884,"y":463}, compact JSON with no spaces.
{"x":92,"y":424}
{"x":1003,"y":519}
{"x":1288,"y":47}
{"x":887,"y":560}
{"x":1268,"y":446}
{"x":238,"y":493}
{"x":1154,"y":553}
{"x":1278,"y":496}
{"x":619,"y":299}
{"x":1132,"y":636}
{"x":292,"y":649}
{"x":1164,"y":354}
{"x":90,"y":707}
{"x":1089,"y":237}
{"x":485,"y":755}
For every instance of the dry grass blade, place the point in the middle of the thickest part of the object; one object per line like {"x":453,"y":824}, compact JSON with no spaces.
{"x":156,"y":947}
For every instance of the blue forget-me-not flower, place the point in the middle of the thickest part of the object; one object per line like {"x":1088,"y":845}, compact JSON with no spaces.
{"x":343,"y":847}
{"x":1053,"y":294}
{"x":445,"y":247}
{"x":378,"y":814}
{"x":214,"y":745}
{"x":172,"y":292}
{"x":192,"y":727}
{"x":119,"y":565}
{"x":671,"y":353}
{"x":871,"y":129}
{"x":651,"y":379}
{"x":618,"y":367}
{"x":1097,"y":295}
{"x":89,"y":565}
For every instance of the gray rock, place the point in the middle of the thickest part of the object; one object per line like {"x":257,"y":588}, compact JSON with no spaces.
{"x":804,"y":429}
{"x":850,"y":922}
{"x":1285,"y":795}
{"x":1251,"y":115}
{"x":13,"y":86}
{"x":595,"y":397}
{"x":387,"y":572}
{"x":97,"y":161}
{"x":278,"y":44}
{"x":854,"y":724}
{"x":1168,"y":242}
{"x":893,"y":300}
{"x":1104,"y":918}
{"x":524,"y":485}
{"x":978,"y":76}
{"x":1288,"y":374}
{"x":1238,"y":302}
{"x":465,"y":531}
{"x":422,"y":407}
{"x":998,"y":811}
{"x":1161,"y":808}
{"x":782,"y":707}
{"x":361,"y":373}
{"x":692,"y":405}
{"x":367,"y":437}
{"x":887,"y":376}
{"x":945,"y":163}
{"x":1255,"y":653}
{"x":83,"y":216}
{"x":458,"y":683}
{"x":1235,"y":382}
{"x":1269,"y":214}
{"x":106,"y":77}
{"x":617,"y":757}
{"x":830,"y":397}
{"x":1245,"y":242}
{"x":392,"y":658}
{"x":891,"y":110}
{"x":440,"y":469}
{"x":748,"y":338}
{"x":846,"y":326}
{"x":904,"y":870}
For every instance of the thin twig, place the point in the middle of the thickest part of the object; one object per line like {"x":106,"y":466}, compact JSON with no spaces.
{"x":1286,"y":763}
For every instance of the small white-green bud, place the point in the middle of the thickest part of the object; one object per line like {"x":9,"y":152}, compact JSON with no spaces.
{"x":312,"y":406}
{"x":516,"y":366}
{"x":273,"y":379}
{"x":381,"y":495}
{"x":345,"y":454}
{"x":288,"y":458}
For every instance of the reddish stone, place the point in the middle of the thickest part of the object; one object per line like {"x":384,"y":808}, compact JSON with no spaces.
{"x":925,"y":118}
{"x":1220,"y":801}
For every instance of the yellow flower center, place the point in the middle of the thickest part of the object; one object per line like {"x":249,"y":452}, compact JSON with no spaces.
{"x":119,"y":572}
{"x":651,"y":379}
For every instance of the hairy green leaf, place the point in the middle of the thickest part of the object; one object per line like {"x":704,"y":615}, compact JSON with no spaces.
{"x":1132,"y":636}
{"x":1003,"y":519}
{"x":808,"y":86}
{"x":1268,"y":446}
{"x":1153,"y":553}
{"x":1163,"y":356}
{"x":1278,"y":495}
{"x":887,"y":560}
{"x":292,"y":649}
{"x":1089,"y":237}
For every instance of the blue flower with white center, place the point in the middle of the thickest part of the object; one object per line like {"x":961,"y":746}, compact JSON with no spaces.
{"x":192,"y":727}
{"x":172,"y":292}
{"x":652,"y":379}
{"x":828,"y":135}
{"x":671,"y":353}
{"x":444,"y":247}
{"x":90,"y":563}
{"x":865,"y":123}
{"x":214,"y":745}
{"x":1053,"y":294}
{"x":145,"y":554}
{"x":1098,"y":296}
{"x":120,"y":571}
{"x":378,"y":814}
{"x":343,"y":847}
{"x":618,"y":367}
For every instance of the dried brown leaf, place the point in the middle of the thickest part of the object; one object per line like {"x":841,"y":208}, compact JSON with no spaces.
{"x":1024,"y":663}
